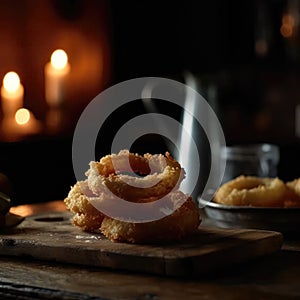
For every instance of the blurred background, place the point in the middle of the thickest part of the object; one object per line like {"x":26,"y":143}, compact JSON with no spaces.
{"x":243,"y":55}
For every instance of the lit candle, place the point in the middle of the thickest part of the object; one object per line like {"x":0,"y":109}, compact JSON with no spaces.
{"x":22,"y":116}
{"x":12,"y":93}
{"x":19,"y":125}
{"x":56,"y":72}
{"x":26,"y":122}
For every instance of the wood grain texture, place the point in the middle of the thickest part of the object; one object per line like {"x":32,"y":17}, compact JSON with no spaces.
{"x":51,"y":237}
{"x":273,"y":277}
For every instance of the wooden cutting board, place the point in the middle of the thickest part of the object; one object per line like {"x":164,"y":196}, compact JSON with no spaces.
{"x":52,"y":237}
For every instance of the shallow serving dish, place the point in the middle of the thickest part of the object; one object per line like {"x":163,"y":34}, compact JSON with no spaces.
{"x":284,"y":220}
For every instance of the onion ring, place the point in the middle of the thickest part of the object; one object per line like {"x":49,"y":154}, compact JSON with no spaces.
{"x":292,"y":196}
{"x":165,"y":175}
{"x":182,"y":222}
{"x":86,"y":216}
{"x":252,"y":191}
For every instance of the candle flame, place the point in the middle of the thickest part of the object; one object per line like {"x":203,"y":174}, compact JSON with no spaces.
{"x":59,"y":59}
{"x":22,"y":116}
{"x":11,"y":82}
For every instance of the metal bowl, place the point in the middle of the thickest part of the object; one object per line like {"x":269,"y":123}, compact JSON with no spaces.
{"x":284,"y":220}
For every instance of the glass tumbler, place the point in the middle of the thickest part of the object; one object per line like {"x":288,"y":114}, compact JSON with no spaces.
{"x":259,"y":160}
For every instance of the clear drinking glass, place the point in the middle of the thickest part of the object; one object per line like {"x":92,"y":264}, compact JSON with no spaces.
{"x":259,"y":160}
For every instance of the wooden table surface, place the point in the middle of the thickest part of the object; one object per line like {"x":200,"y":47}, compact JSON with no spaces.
{"x":276,"y":276}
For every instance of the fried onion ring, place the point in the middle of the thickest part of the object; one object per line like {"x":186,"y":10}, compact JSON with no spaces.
{"x":182,"y":222}
{"x":252,"y":191}
{"x":162,"y":176}
{"x":292,"y":196}
{"x":166,"y":175}
{"x":86,"y":216}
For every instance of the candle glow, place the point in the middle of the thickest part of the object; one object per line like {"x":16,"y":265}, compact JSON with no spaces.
{"x":22,"y":116}
{"x":56,"y":74}
{"x":59,"y":59}
{"x":11,"y":82}
{"x":12,"y":93}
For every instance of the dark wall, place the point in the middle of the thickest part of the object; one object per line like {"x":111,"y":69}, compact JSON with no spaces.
{"x":39,"y":170}
{"x":236,"y":45}
{"x":164,"y":37}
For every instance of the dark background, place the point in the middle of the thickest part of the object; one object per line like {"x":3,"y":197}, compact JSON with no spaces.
{"x":239,"y":47}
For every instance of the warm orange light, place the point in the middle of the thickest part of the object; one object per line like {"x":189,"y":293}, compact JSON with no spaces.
{"x":22,"y":116}
{"x":288,"y":25}
{"x":289,"y":20}
{"x":286,"y":30}
{"x":11,"y":82}
{"x":59,"y":59}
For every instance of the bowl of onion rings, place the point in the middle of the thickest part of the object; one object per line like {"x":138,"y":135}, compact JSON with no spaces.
{"x":257,"y":203}
{"x":285,"y":220}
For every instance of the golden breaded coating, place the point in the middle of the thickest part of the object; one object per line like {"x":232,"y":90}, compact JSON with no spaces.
{"x":259,"y":192}
{"x":292,"y":196}
{"x":251,"y":191}
{"x":113,"y":177}
{"x":295,"y":186}
{"x":87,"y":217}
{"x":184,"y":221}
{"x":166,"y":177}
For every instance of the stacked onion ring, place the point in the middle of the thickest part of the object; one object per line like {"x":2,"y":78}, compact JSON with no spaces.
{"x":138,"y":179}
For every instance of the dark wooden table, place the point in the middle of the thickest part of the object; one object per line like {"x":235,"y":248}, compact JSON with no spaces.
{"x":276,"y":276}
